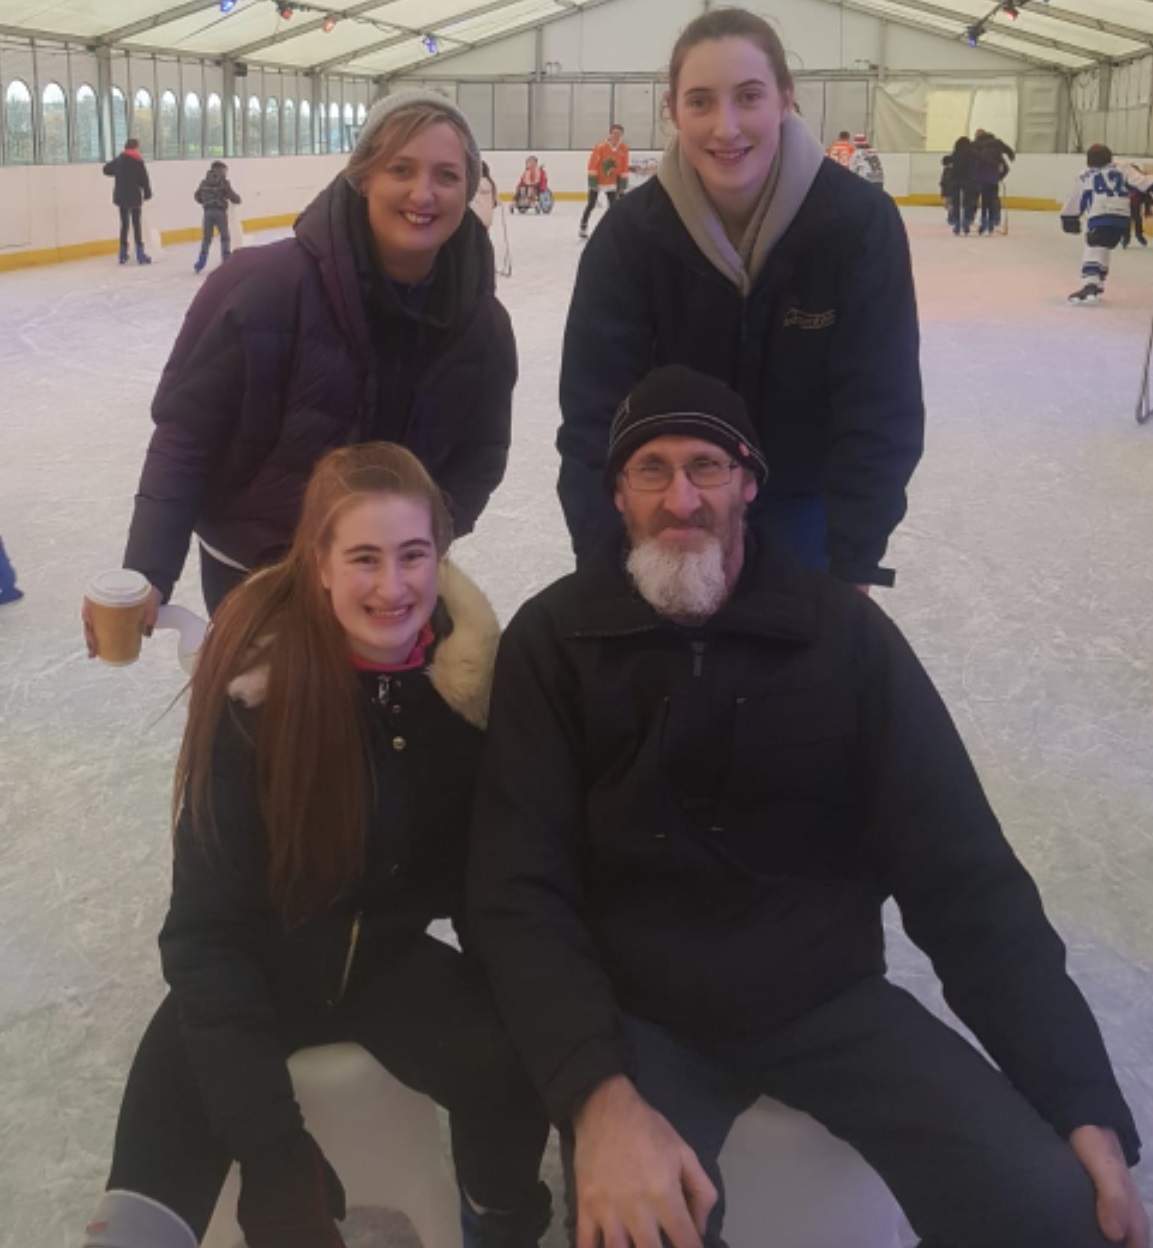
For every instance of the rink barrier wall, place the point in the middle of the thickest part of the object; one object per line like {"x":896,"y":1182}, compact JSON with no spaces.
{"x":110,"y":246}
{"x":50,"y":214}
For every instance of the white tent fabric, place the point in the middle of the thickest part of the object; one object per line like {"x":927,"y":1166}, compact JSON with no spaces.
{"x":362,"y":37}
{"x":372,"y":37}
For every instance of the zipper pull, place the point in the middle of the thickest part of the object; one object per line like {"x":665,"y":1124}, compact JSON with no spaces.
{"x":383,"y":685}
{"x":698,"y":657}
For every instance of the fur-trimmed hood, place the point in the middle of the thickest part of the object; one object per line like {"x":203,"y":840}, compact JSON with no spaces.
{"x":461,"y":667}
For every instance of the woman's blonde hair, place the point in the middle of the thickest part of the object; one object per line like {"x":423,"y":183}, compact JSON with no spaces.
{"x":313,"y":772}
{"x":398,"y":130}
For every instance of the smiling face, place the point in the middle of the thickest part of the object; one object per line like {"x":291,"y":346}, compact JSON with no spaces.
{"x":380,"y":571}
{"x":683,"y":516}
{"x":687,"y":543}
{"x":416,"y":201}
{"x":729,"y":109}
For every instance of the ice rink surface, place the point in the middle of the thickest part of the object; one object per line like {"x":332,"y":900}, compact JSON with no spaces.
{"x":1025,"y":583}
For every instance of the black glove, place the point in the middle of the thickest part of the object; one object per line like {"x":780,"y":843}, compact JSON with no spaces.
{"x":290,"y":1196}
{"x":1071,"y":225}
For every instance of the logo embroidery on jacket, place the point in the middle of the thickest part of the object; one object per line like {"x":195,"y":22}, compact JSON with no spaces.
{"x":810,"y":320}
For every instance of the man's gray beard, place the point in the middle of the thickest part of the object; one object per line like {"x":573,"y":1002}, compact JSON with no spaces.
{"x":680,"y":584}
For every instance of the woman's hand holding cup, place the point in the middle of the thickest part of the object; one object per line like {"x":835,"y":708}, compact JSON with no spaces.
{"x":119,"y":608}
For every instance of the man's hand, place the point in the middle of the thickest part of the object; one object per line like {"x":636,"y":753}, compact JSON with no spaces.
{"x":636,"y":1179}
{"x":1119,"y":1210}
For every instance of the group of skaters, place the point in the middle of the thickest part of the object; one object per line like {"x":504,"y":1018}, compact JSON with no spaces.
{"x":664,"y":810}
{"x":132,"y":188}
{"x":971,"y":179}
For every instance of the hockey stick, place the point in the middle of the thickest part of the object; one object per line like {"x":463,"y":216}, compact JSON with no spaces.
{"x":1144,"y":410}
{"x":505,"y":269}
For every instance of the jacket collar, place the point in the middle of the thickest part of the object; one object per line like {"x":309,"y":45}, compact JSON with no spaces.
{"x":820,"y":216}
{"x":798,"y":161}
{"x":774,"y":599}
{"x":462,"y":662}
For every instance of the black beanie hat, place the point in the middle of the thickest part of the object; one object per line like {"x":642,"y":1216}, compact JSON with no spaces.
{"x":680,"y":402}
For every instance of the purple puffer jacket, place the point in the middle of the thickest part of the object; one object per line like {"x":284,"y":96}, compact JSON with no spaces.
{"x":278,"y":361}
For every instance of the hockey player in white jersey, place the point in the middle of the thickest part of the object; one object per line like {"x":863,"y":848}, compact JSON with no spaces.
{"x":1101,"y":195}
{"x":865,"y":162}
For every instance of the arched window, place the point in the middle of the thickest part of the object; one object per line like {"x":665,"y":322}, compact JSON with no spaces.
{"x":54,"y":118}
{"x":288,"y":129}
{"x":346,"y":129}
{"x":214,"y":145}
{"x":252,"y":127}
{"x":144,"y":124}
{"x":334,"y":127}
{"x":87,"y":124}
{"x":18,"y":123}
{"x":119,"y":118}
{"x":193,"y":125}
{"x":306,"y":146}
{"x":271,"y":127}
{"x":169,"y":126}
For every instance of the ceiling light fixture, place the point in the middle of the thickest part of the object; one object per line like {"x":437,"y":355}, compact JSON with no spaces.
{"x":226,"y":6}
{"x":1011,"y":11}
{"x":329,"y":23}
{"x":430,"y":44}
{"x":974,"y":33}
{"x":283,"y":8}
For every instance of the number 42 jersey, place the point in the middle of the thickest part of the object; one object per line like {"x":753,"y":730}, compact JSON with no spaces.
{"x":1103,"y":195}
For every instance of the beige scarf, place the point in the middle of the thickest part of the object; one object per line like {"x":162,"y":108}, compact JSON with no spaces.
{"x":796,"y":165}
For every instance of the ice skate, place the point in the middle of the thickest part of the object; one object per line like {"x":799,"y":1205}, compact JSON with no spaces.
{"x":1089,"y":293}
{"x":142,"y":257}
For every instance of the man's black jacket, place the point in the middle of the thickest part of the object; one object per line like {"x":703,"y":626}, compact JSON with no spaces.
{"x":700,"y":827}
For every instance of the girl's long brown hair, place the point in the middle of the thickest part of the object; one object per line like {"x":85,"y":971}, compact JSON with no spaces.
{"x":313,"y":771}
{"x":730,"y":24}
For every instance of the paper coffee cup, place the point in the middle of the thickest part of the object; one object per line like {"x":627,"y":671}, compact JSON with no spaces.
{"x":117,"y":602}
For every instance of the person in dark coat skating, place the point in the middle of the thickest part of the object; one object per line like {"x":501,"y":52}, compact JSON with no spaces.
{"x":963,"y":186}
{"x":324,"y":792}
{"x":214,"y":194}
{"x":377,"y":320}
{"x":753,"y":258}
{"x":707,"y":768}
{"x":129,"y":192}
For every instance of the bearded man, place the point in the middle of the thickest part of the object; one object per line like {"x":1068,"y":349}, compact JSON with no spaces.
{"x":707,"y":768}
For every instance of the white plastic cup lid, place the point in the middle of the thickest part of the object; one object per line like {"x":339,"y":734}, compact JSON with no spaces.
{"x":122,"y":588}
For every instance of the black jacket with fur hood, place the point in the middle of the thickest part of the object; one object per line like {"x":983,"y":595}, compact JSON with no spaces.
{"x":235,"y":972}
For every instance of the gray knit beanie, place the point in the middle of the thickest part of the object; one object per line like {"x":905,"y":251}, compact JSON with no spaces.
{"x":385,"y":108}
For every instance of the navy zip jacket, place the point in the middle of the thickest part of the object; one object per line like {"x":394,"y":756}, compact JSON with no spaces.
{"x":699,"y":827}
{"x":300,"y":346}
{"x":824,"y":352}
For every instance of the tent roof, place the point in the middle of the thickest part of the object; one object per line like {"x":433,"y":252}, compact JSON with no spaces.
{"x":370,"y":37}
{"x":1070,"y":34}
{"x":373,"y":37}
